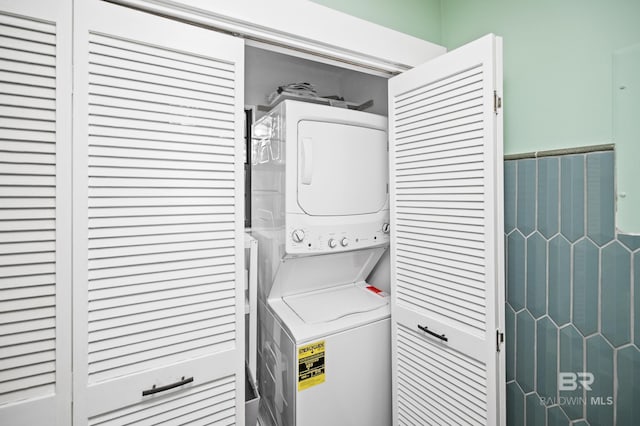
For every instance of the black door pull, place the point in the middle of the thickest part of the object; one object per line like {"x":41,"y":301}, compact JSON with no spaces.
{"x":439,"y":336}
{"x":156,"y":389}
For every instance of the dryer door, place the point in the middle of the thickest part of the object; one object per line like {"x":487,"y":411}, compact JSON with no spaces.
{"x":342,"y":169}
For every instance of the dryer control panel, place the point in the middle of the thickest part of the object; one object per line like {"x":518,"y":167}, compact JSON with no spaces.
{"x":304,"y":239}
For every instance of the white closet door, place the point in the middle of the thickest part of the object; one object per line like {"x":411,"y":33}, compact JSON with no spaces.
{"x":35,"y":212}
{"x":158,"y":220}
{"x":446,"y":240}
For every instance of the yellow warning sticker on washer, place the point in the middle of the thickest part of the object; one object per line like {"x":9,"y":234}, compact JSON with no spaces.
{"x":311,"y":364}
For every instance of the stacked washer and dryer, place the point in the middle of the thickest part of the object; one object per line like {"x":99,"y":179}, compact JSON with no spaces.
{"x":320,"y":213}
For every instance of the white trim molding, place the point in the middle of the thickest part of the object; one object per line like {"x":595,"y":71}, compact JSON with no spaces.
{"x":305,"y":27}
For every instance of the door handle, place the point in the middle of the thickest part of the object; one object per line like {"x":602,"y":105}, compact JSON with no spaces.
{"x":307,"y":161}
{"x":439,"y":336}
{"x":156,"y":389}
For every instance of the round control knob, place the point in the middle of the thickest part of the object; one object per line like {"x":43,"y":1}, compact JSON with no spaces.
{"x":297,"y":235}
{"x":344,"y":242}
{"x":386,"y":228}
{"x":333,"y":243}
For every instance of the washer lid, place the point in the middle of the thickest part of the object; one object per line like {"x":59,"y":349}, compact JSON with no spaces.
{"x":336,"y":302}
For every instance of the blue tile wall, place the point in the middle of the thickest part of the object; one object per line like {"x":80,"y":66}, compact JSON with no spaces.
{"x":525,"y":367}
{"x":572,"y":196}
{"x":548,"y":196}
{"x":536,"y":275}
{"x":516,"y":261}
{"x":546,"y":358}
{"x":557,"y":417}
{"x":573,"y":295}
{"x":535,"y":411}
{"x":627,"y":405}
{"x":586,"y":275}
{"x":510,"y":195}
{"x":600,"y":356}
{"x":616,"y":291}
{"x":600,"y":197}
{"x":510,"y":330}
{"x":559,"y":280}
{"x":526,"y":196}
{"x":571,"y":359}
{"x":515,"y":405}
{"x":636,"y":299}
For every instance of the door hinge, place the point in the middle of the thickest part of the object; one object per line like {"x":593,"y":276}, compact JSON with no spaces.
{"x":499,"y":340}
{"x":497,"y":102}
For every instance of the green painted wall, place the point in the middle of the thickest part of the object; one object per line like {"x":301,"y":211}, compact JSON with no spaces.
{"x":560,"y":88}
{"x":558,"y":72}
{"x":420,"y":18}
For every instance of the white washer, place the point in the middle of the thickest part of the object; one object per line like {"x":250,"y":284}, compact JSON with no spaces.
{"x":347,"y":381}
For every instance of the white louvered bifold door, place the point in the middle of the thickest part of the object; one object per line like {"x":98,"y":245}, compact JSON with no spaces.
{"x":446,"y":239}
{"x":158,"y":243}
{"x":35,"y":212}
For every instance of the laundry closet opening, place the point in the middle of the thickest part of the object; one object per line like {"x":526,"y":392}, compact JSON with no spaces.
{"x":318,"y":169}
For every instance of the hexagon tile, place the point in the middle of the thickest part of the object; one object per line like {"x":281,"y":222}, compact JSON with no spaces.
{"x":571,"y":356}
{"x":546,"y":358}
{"x":586,"y":273}
{"x":572,"y":196}
{"x":559,"y":280}
{"x":573,"y":291}
{"x":548,"y":190}
{"x":536,"y":275}
{"x":615,"y":306}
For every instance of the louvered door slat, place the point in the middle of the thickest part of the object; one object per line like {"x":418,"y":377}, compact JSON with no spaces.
{"x":23,"y":292}
{"x":159,"y":116}
{"x":446,"y":255}
{"x":158,"y":108}
{"x":148,"y":146}
{"x":162,"y":159}
{"x":159,"y":105}
{"x":110,"y":56}
{"x":178,"y":349}
{"x":107,"y":95}
{"x":139,"y":298}
{"x":16,"y":27}
{"x":28,"y":337}
{"x":183,"y":285}
{"x":159,"y":277}
{"x":197,"y":313}
{"x":168,"y":59}
{"x":28,"y":359}
{"x":176,"y":328}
